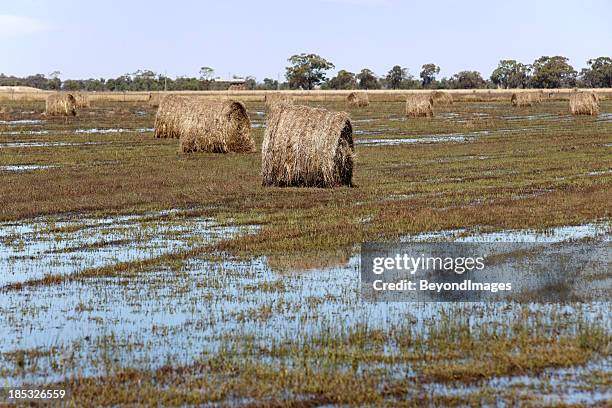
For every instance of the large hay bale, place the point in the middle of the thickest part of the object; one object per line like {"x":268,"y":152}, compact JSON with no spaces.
{"x":419,"y":105}
{"x":82,"y":100}
{"x":358,"y":99}
{"x":168,"y":116}
{"x":523,"y":99}
{"x":60,"y":104}
{"x":584,"y":103}
{"x":215,"y":127}
{"x":309,"y":147}
{"x":442,"y":98}
{"x":237,"y":87}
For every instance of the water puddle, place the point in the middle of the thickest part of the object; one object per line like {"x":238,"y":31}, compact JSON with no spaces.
{"x":26,"y":132}
{"x":114,"y":130}
{"x":557,"y":234}
{"x":35,"y":248}
{"x":21,"y":122}
{"x":604,"y":117}
{"x":22,"y":168}
{"x":422,"y":140}
{"x":18,"y":145}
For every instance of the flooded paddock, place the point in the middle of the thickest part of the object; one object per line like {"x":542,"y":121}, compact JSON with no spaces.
{"x":121,"y":258}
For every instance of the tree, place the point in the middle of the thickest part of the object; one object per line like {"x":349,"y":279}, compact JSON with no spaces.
{"x":206,"y":73}
{"x":395,"y":77}
{"x":367,"y":79}
{"x":598,"y":74}
{"x":343,"y":80}
{"x":428,"y":74}
{"x":553,"y":72}
{"x":511,"y":74}
{"x":269,"y":84}
{"x":54,"y":81}
{"x":307,"y":70}
{"x":250,"y":83}
{"x":468,"y":80}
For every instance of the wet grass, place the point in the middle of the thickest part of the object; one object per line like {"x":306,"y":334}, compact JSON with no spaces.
{"x":215,"y":321}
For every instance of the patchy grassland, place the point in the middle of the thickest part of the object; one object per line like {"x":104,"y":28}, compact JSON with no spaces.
{"x":506,"y":168}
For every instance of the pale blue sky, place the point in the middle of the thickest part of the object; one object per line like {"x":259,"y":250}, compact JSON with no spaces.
{"x":88,"y":38}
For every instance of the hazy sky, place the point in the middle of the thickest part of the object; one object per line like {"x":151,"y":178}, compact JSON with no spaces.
{"x":89,"y":38}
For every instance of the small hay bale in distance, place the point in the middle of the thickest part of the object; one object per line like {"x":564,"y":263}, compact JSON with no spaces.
{"x":154,"y":99}
{"x":442,"y":98}
{"x":214,"y":127}
{"x":419,"y":105}
{"x":82,"y":100}
{"x":168,"y":116}
{"x":237,"y":87}
{"x":584,"y":103}
{"x":61,"y":104}
{"x":358,"y":99}
{"x":307,"y":147}
{"x":277,"y":98}
{"x":523,"y":99}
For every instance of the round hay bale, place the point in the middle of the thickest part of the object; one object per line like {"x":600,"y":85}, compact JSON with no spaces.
{"x":358,"y":99}
{"x":277,"y":98}
{"x":584,"y":103}
{"x":307,"y":147}
{"x":154,"y":99}
{"x":168,"y":116}
{"x":60,"y":104}
{"x":82,"y":100}
{"x":419,"y":105}
{"x":442,"y":98}
{"x":523,"y":99}
{"x":215,"y":127}
{"x":237,"y":87}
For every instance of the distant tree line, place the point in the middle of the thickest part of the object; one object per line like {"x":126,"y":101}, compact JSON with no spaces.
{"x":309,"y":71}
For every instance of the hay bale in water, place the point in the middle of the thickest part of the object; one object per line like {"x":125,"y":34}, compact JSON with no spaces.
{"x":215,"y":127}
{"x":358,"y":99}
{"x":584,"y":103}
{"x":60,"y":104}
{"x":308,"y":147}
{"x":82,"y":100}
{"x":522,"y":99}
{"x":442,"y":98}
{"x":168,"y":116}
{"x":419,"y":105}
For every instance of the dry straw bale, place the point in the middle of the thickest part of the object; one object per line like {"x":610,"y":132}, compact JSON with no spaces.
{"x":82,"y":100}
{"x":277,"y":98}
{"x":309,"y":147}
{"x":419,"y":105}
{"x":154,"y":99}
{"x":168,"y":116}
{"x":442,"y":98}
{"x":235,"y":87}
{"x":584,"y":103}
{"x":358,"y":99}
{"x":61,"y":104}
{"x":215,"y":127}
{"x":522,"y":99}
